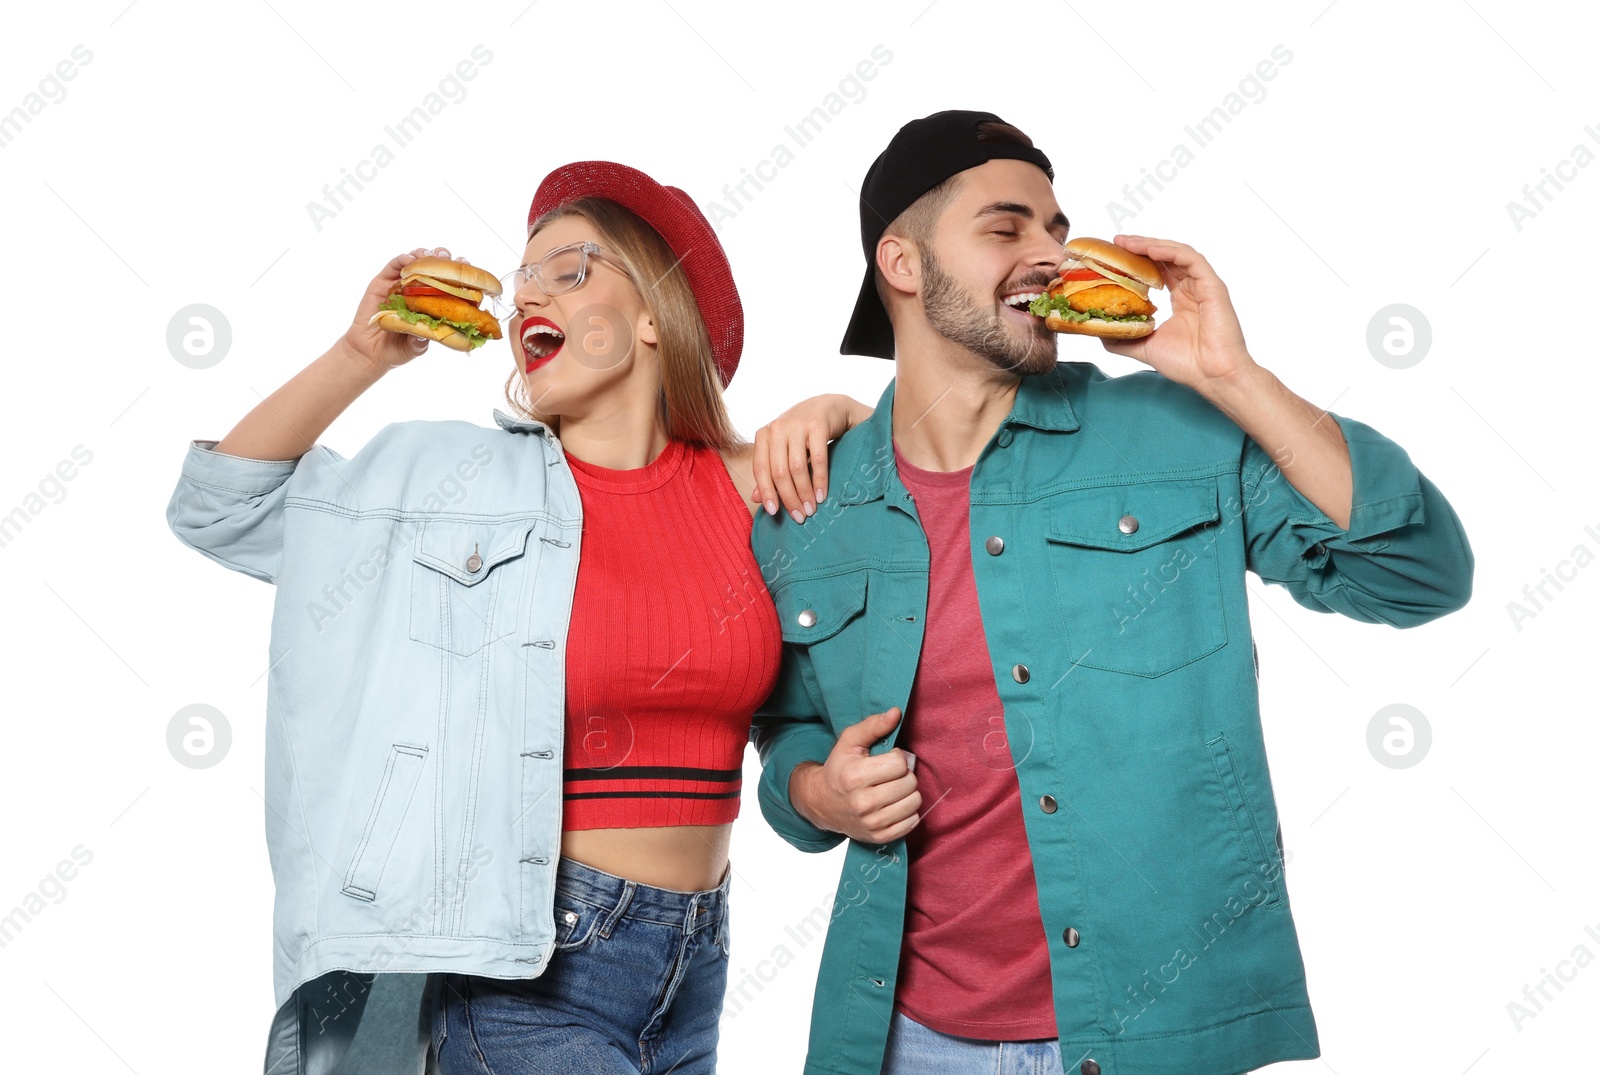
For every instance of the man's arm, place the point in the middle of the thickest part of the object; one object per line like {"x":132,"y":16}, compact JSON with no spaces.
{"x":1305,"y":443}
{"x":1356,"y":528}
{"x":1401,"y":557}
{"x":817,"y":788}
{"x":1202,"y":345}
{"x":788,"y":731}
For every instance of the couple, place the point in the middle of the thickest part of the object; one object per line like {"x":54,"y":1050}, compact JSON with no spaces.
{"x":1040,"y":567}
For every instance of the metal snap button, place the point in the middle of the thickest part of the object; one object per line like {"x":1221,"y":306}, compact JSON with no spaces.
{"x":474,"y":562}
{"x":1071,"y":937}
{"x":1127,"y":524}
{"x":995,"y":545}
{"x":1019,"y":672}
{"x":1047,"y":803}
{"x":570,"y":917}
{"x":807,"y":618}
{"x":1089,"y":1067}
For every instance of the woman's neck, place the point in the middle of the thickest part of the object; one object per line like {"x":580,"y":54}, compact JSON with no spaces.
{"x":620,"y":440}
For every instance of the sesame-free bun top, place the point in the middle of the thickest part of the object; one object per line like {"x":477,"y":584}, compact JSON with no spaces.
{"x":1114,"y":257}
{"x":453,"y":272}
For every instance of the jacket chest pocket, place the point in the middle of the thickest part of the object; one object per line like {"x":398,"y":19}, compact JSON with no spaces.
{"x":1136,"y":577}
{"x":469,"y":581}
{"x":826,"y":615}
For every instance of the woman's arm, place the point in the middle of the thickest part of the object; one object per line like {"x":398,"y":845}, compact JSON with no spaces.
{"x":790,"y":459}
{"x":286,"y":424}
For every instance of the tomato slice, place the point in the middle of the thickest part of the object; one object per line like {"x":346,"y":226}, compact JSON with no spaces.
{"x":421,"y":289}
{"x":1081,"y":274}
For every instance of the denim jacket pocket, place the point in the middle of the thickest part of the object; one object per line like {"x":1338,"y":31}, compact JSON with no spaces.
{"x":395,"y":788}
{"x":468,"y":581}
{"x":1136,"y":574}
{"x":816,"y":609}
{"x":825,"y":615}
{"x":1265,"y":868}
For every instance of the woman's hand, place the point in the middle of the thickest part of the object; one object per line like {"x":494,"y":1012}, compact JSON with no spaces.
{"x":791,"y":453}
{"x":381,"y":348}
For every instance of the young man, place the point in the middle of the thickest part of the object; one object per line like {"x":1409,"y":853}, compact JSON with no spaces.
{"x":1042,"y":569}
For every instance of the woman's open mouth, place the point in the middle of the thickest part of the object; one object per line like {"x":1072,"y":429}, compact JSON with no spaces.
{"x":541,"y":339}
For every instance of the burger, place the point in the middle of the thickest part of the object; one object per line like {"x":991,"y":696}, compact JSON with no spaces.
{"x":1100,"y":290}
{"x":437,"y":298}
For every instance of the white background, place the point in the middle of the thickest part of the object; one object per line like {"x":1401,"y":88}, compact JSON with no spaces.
{"x":1376,"y":169}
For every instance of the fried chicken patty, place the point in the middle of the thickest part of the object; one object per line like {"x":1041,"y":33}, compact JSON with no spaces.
{"x":450,"y":308}
{"x":1114,"y":299}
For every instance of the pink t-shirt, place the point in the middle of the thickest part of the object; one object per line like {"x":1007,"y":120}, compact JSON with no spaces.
{"x":973,"y":961}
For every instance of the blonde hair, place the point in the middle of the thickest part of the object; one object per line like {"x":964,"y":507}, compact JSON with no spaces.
{"x":690,"y":393}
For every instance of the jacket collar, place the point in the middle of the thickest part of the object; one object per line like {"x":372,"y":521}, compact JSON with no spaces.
{"x":513,"y":424}
{"x":1041,"y":403}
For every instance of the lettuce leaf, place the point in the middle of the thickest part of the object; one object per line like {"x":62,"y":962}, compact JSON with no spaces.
{"x":1045,"y":305}
{"x":397,"y":303}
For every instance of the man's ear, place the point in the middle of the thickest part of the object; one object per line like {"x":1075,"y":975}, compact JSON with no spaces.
{"x":899,"y":264}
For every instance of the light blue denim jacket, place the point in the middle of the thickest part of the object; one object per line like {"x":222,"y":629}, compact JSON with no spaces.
{"x":414,"y":714}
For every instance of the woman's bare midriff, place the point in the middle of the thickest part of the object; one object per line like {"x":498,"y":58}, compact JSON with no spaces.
{"x":688,"y":858}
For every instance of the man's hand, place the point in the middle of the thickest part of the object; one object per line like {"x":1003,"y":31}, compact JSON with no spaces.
{"x":1201,"y":345}
{"x":1200,"y":341}
{"x":872,"y":798}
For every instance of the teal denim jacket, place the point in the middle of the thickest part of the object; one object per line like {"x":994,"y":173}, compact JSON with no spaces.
{"x":414,"y":714}
{"x":1113,"y":521}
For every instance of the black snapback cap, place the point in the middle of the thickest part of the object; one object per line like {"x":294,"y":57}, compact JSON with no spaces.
{"x":921,"y":155}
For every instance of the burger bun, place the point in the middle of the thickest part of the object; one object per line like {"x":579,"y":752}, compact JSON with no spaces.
{"x":1117,"y":330}
{"x":1114,"y":257}
{"x":393,"y":322}
{"x":452,"y":272}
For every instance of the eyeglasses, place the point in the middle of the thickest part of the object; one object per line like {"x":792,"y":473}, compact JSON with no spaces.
{"x":561,"y":270}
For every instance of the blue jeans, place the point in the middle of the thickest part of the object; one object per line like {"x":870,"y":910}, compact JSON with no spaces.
{"x":634,"y":987}
{"x":918,"y":1050}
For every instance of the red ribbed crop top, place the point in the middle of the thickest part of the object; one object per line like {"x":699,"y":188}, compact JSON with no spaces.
{"x":673,"y":643}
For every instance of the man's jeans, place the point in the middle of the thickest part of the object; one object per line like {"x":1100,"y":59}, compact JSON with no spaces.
{"x":918,"y":1050}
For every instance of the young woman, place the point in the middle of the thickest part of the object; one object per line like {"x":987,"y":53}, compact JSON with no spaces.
{"x":591,"y":604}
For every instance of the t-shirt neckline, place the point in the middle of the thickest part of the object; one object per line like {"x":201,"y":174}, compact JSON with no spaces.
{"x":652,"y":475}
{"x":938,"y":478}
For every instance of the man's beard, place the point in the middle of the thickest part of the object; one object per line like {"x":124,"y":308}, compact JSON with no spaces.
{"x":954,"y":316}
